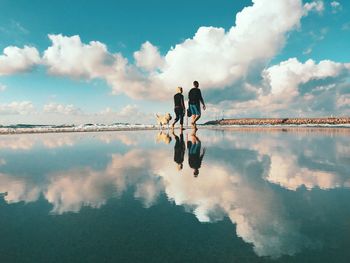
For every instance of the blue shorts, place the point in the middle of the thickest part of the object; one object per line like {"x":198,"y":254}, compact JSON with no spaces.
{"x":195,"y":109}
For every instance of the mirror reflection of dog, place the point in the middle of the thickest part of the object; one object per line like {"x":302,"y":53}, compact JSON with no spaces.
{"x":163,"y":137}
{"x":179,"y":149}
{"x":163,"y":120}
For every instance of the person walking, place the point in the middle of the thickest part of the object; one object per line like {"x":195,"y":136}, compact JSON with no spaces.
{"x":179,"y":108}
{"x":194,"y":100}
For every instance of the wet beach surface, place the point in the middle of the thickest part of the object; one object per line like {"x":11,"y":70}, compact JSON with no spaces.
{"x":240,"y":195}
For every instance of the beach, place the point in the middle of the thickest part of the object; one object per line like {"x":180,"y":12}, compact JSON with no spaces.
{"x":264,"y":123}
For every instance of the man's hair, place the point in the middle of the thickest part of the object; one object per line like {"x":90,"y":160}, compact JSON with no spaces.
{"x":196,"y":83}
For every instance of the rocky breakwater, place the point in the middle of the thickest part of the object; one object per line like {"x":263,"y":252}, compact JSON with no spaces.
{"x":282,"y":121}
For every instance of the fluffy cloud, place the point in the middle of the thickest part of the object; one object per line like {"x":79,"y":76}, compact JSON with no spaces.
{"x":14,"y":108}
{"x":293,"y":88}
{"x":316,"y":6}
{"x":148,"y":57}
{"x":69,"y":56}
{"x":61,"y":109}
{"x":336,"y":6}
{"x":215,"y":57}
{"x":288,"y":75}
{"x":15,"y":60}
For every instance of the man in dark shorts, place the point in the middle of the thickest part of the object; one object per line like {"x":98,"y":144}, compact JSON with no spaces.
{"x":194,"y":100}
{"x":179,"y":108}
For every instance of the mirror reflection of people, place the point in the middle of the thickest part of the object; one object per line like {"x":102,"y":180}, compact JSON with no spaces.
{"x":179,"y":108}
{"x":194,"y":100}
{"x":179,"y":150}
{"x":195,"y":156}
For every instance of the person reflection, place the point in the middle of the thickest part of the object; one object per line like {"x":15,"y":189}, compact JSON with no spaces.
{"x":195,"y":156}
{"x":179,"y":149}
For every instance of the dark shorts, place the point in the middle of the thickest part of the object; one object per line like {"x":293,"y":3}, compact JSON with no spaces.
{"x":195,"y":109}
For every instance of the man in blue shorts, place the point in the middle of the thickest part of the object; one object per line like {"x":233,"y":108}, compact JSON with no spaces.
{"x":194,"y":100}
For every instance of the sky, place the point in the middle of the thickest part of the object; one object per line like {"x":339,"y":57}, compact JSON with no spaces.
{"x":65,"y":62}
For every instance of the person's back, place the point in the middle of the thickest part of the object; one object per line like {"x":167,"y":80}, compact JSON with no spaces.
{"x":195,"y":96}
{"x":179,"y":108}
{"x":178,"y":100}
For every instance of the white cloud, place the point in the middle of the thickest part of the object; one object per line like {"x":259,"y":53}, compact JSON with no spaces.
{"x":288,"y":75}
{"x":69,"y":56}
{"x":336,"y":6}
{"x":215,"y":57}
{"x":14,"y":108}
{"x":61,"y":109}
{"x":316,"y":6}
{"x":16,"y":60}
{"x":293,"y":88}
{"x":148,"y":57}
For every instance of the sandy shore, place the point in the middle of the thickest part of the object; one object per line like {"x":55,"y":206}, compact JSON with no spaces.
{"x":271,"y":124}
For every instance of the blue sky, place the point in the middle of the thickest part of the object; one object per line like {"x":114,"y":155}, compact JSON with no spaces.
{"x":41,"y":91}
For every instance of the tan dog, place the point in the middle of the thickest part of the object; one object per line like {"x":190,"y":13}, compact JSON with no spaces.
{"x":163,"y":119}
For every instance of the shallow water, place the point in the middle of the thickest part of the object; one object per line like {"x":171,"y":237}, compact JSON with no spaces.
{"x":252,"y":195}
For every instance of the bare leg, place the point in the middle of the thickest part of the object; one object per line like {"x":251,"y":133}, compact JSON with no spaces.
{"x":193,"y":119}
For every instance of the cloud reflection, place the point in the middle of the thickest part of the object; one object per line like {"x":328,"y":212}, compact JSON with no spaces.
{"x":237,"y":180}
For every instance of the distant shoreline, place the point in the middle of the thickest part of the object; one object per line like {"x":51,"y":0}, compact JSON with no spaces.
{"x":44,"y":129}
{"x":248,"y":125}
{"x":281,"y":121}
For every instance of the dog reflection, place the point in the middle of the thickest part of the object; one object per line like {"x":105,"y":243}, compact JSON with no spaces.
{"x":163,"y":137}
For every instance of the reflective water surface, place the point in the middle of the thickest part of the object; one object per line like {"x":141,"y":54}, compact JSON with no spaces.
{"x":240,"y":195}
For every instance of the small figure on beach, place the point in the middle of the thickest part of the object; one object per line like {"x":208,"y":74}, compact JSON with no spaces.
{"x":194,"y":100}
{"x":179,"y":108}
{"x":195,"y":157}
{"x":163,"y":120}
{"x":179,"y":150}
